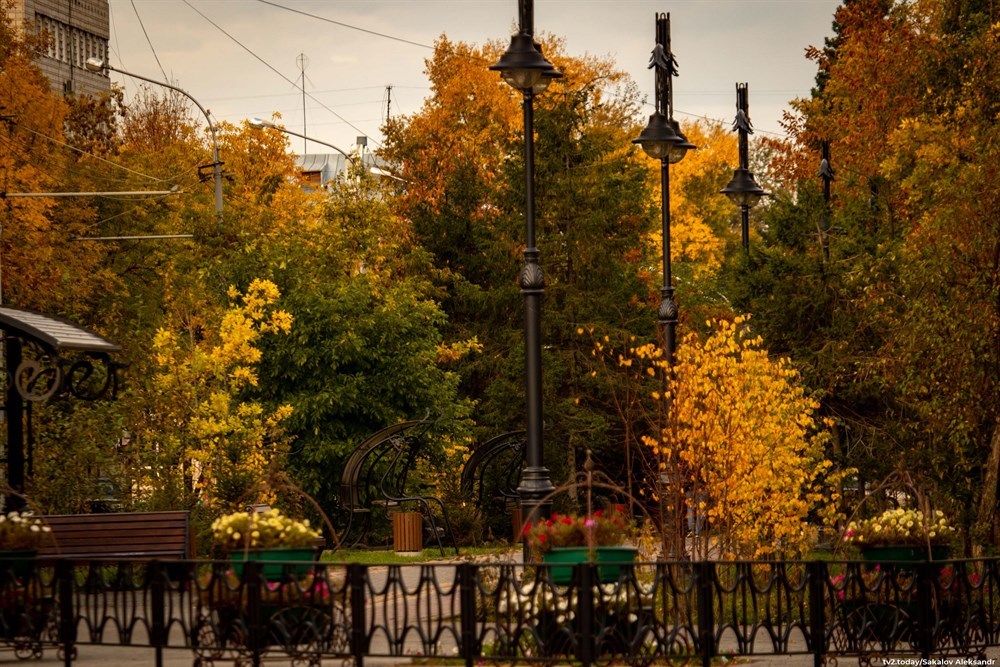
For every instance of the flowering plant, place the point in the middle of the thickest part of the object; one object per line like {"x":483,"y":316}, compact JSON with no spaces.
{"x":900,"y":526}
{"x":262,"y":530}
{"x":604,"y":528}
{"x":21,"y":530}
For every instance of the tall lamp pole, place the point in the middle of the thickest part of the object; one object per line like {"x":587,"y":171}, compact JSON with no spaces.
{"x":825,"y":173}
{"x":525,"y":69}
{"x":97,"y":65}
{"x":743,"y":190}
{"x":663,"y":140}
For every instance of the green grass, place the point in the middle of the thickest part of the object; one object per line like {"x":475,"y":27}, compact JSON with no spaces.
{"x":389,"y":557}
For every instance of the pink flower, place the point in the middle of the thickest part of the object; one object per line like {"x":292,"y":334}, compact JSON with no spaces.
{"x":589,"y":523}
{"x":838,"y":581}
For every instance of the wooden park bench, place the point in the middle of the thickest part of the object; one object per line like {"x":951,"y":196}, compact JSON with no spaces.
{"x":375,"y":477}
{"x":492,"y":473}
{"x":120,"y":535}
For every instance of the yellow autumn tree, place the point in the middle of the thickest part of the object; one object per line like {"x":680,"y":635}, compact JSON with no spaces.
{"x":205,"y":437}
{"x":741,"y":443}
{"x":698,"y":215}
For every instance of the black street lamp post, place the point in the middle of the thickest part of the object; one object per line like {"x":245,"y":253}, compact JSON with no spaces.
{"x":525,"y":69}
{"x":663,"y":140}
{"x":743,"y":190}
{"x":825,"y":173}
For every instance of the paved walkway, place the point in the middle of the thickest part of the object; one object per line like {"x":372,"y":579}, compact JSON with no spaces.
{"x":117,"y":656}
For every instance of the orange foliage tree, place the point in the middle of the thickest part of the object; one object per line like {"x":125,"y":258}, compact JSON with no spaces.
{"x":42,"y":268}
{"x":898,"y":323}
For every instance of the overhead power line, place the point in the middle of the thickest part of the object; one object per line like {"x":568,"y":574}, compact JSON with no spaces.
{"x":271,"y":67}
{"x":88,"y":154}
{"x":347,"y":25}
{"x":122,"y":193}
{"x":148,"y":41}
{"x":150,"y":237}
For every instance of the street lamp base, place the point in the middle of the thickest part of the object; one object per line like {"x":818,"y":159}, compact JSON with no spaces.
{"x":535,"y":493}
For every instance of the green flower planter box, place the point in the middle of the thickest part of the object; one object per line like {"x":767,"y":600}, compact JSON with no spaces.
{"x":901,"y":553}
{"x":563,"y":559}
{"x":275,"y":561}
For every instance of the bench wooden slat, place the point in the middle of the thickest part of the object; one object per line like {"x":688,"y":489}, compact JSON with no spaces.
{"x":123,"y":535}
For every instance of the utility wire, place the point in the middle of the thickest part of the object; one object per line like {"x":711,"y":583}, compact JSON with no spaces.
{"x":346,"y":25}
{"x":148,"y":41}
{"x":299,"y":92}
{"x":112,"y":217}
{"x":96,"y":157}
{"x":272,"y":68}
{"x":175,"y":179}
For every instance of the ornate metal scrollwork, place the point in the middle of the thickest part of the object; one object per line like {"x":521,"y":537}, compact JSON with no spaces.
{"x":38,"y":377}
{"x":42,"y":375}
{"x":92,"y":378}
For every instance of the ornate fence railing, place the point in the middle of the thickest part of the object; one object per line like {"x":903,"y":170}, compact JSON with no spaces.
{"x":508,"y":613}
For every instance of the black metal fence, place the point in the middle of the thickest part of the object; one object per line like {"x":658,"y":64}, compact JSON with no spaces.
{"x":501,"y":612}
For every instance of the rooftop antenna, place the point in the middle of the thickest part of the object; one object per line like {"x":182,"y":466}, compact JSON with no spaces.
{"x":388,"y":100}
{"x":302,"y":60}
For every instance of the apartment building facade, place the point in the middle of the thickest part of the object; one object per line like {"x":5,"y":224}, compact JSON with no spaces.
{"x":75,"y":30}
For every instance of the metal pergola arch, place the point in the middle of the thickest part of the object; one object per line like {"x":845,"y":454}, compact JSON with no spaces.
{"x":46,"y":357}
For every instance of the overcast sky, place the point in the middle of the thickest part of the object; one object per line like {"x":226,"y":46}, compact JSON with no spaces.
{"x":716,"y":42}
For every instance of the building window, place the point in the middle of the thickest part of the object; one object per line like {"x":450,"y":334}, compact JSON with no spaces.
{"x":69,"y":44}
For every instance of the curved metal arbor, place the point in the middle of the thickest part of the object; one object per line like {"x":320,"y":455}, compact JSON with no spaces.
{"x":47,"y":357}
{"x":375,"y":474}
{"x":493,"y":471}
